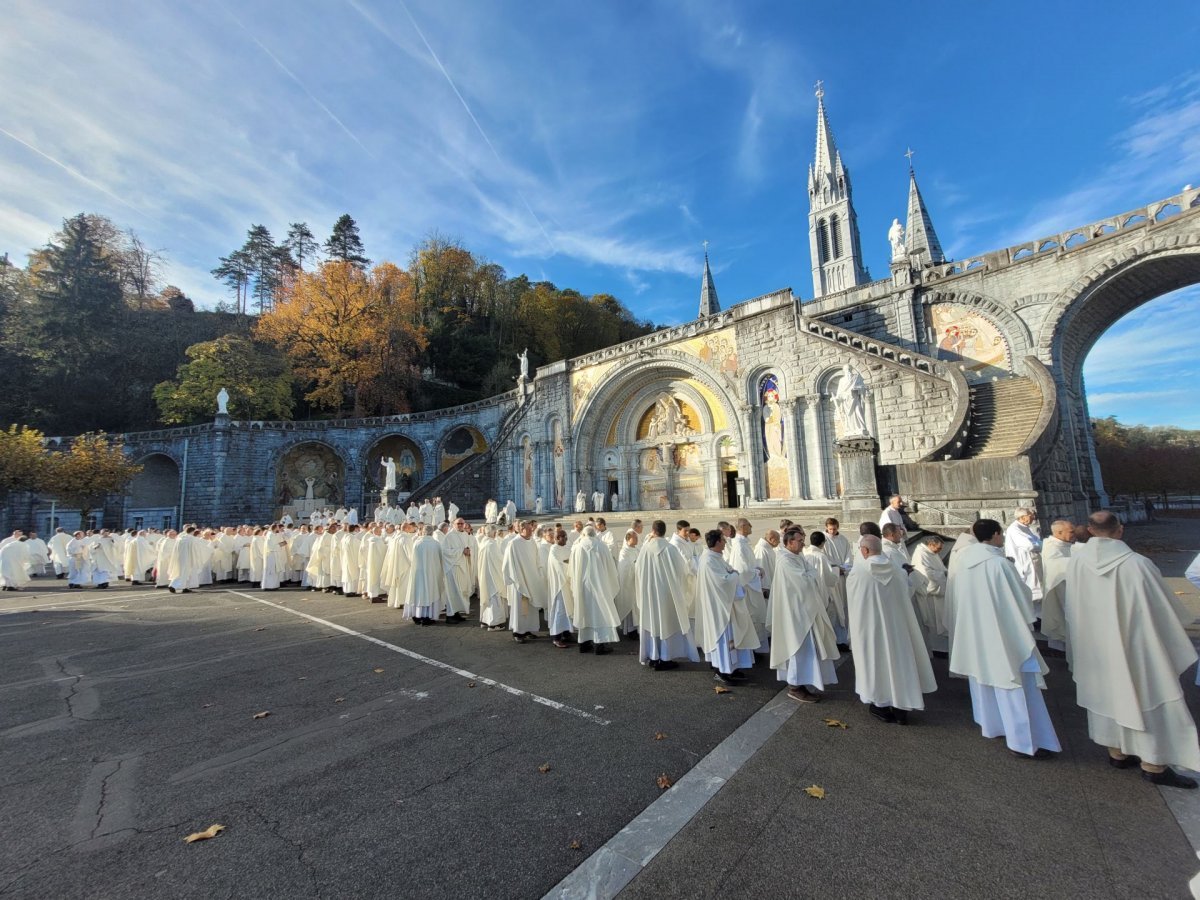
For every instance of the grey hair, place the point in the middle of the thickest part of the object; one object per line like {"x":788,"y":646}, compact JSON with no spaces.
{"x":589,"y":531}
{"x":1025,"y":511}
{"x":428,"y":530}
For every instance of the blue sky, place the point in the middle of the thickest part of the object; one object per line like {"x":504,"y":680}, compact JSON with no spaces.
{"x":597,"y":145}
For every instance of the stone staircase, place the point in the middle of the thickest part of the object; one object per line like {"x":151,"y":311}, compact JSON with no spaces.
{"x":1003,"y":416}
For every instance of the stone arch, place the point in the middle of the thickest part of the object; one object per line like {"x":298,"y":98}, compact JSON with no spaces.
{"x":157,"y":486}
{"x":308,"y":457}
{"x":453,"y":447}
{"x":410,"y":463}
{"x":1097,"y":300}
{"x":1003,"y":318}
{"x":618,"y":400}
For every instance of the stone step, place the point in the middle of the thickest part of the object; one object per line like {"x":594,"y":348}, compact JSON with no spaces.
{"x":1003,"y":416}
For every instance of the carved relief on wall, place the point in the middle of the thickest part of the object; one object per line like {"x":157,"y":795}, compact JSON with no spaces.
{"x":718,"y":349}
{"x":963,"y":335}
{"x":309,"y":461}
{"x":668,"y":417}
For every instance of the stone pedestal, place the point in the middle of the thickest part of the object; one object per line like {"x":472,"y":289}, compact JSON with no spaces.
{"x":856,"y":458}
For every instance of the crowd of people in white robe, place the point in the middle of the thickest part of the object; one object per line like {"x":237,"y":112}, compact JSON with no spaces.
{"x":799,"y":601}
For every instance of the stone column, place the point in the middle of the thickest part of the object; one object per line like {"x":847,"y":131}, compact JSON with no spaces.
{"x":633,"y":494}
{"x":221,"y":427}
{"x":856,"y":458}
{"x":822,"y":488}
{"x":753,"y":474}
{"x":712,"y":481}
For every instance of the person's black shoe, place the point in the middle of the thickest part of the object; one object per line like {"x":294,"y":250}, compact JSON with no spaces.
{"x":803,"y":695}
{"x":723,"y":678}
{"x":843,"y":648}
{"x":457,"y":617}
{"x":664,"y":665}
{"x":1127,"y":763}
{"x":941,"y":654}
{"x":601,"y":649}
{"x":738,"y":675}
{"x":520,"y":639}
{"x":631,"y":636}
{"x":586,"y":647}
{"x":1168,"y":777}
{"x":61,"y":575}
{"x":169,"y":588}
{"x":901,"y":716}
{"x":1039,"y":753}
{"x":883,"y":714}
{"x":102,"y":587}
{"x":187,"y":590}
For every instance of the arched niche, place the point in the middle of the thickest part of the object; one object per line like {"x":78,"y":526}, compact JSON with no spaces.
{"x":460,"y":443}
{"x":310,"y":471}
{"x":410,"y":464}
{"x":157,"y":485}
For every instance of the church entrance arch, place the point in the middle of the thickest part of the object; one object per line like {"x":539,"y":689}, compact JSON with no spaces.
{"x":1081,"y":316}
{"x":154,"y":493}
{"x":410,"y":468}
{"x":309,"y":476}
{"x":649,"y":429}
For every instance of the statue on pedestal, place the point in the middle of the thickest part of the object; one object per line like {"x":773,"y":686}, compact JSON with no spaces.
{"x":850,"y":402}
{"x":523,"y":359}
{"x":222,"y":402}
{"x":309,"y":482}
{"x":389,"y":474}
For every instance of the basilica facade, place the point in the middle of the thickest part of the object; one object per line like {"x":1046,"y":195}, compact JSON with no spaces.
{"x":957,"y":383}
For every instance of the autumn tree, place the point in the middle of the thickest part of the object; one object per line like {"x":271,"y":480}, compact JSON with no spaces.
{"x":351,"y":335}
{"x":93,"y":467}
{"x":258,"y":379}
{"x":23,"y":460}
{"x":344,"y":243}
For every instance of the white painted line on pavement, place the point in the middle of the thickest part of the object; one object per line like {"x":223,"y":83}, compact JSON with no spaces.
{"x":436,"y":663}
{"x":66,"y":604}
{"x":610,"y":869}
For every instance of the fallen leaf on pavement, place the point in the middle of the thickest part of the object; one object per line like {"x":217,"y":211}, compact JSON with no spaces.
{"x":470,"y":684}
{"x":210,"y":832}
{"x":720,"y":690}
{"x":1181,"y":593}
{"x":660,"y":735}
{"x":206,"y":706}
{"x":379,"y":671}
{"x":260,"y":629}
{"x":814,"y":791}
{"x":544,"y":768}
{"x":339,"y":699}
{"x":263,"y":714}
{"x":574,"y":845}
{"x":836,"y":723}
{"x":664,"y":781}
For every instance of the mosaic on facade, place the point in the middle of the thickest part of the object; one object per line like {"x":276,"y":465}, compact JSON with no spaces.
{"x":583,"y":382}
{"x":774,"y":453}
{"x":963,"y":335}
{"x":309,"y":476}
{"x":461,"y":443}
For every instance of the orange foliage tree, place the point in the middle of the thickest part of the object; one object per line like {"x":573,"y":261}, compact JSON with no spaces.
{"x":353,"y":336}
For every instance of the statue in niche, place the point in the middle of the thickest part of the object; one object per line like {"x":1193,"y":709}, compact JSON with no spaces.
{"x":309,"y":483}
{"x":850,"y":400}
{"x":896,"y":239}
{"x":389,"y":476}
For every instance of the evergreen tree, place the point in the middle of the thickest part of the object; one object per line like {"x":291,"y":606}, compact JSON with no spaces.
{"x":301,"y":243}
{"x":345,"y":245}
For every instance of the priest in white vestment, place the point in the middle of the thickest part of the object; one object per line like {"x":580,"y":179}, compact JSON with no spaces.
{"x":397,"y":564}
{"x":58,"y":552}
{"x":373,"y":550}
{"x":725,"y":632}
{"x":556,"y":563}
{"x":491,"y":512}
{"x":594,"y":588}
{"x":662,"y":580}
{"x":1024,"y":547}
{"x":597,"y":501}
{"x":580,"y":502}
{"x":525,"y":582}
{"x":681,"y":542}
{"x":891,"y":663}
{"x":183,"y":562}
{"x":426,"y":596}
{"x":139,"y":558}
{"x":837,"y":546}
{"x":493,"y":600}
{"x":14,"y":564}
{"x":103,"y":552}
{"x":927,"y":564}
{"x":162,"y":556}
{"x":510,"y":512}
{"x":1056,"y":556}
{"x":1129,"y":647}
{"x":607,"y":537}
{"x":834,"y":579}
{"x":993,"y":647}
{"x":39,"y":555}
{"x":803,"y":645}
{"x":740,"y":555}
{"x":766,"y":551}
{"x":456,"y":558}
{"x":892,"y":513}
{"x":627,"y":578}
{"x":79,"y":568}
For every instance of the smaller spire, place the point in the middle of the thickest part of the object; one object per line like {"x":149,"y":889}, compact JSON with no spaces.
{"x":826,"y":156}
{"x":709,"y":305}
{"x":919,"y":237}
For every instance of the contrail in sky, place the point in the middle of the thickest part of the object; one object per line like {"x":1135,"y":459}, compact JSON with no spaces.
{"x":77,"y":174}
{"x":461,"y":99}
{"x":292,"y":75}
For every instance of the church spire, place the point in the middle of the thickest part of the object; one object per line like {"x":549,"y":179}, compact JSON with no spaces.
{"x":834,"y":245}
{"x":709,"y":305}
{"x":919,"y":237}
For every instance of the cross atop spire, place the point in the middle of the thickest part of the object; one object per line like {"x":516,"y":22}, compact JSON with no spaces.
{"x":909,"y":154}
{"x":820,"y":89}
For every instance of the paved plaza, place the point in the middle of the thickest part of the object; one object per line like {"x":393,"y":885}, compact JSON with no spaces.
{"x":451,"y":762}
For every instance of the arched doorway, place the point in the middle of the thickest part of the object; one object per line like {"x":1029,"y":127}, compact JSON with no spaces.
{"x":410,"y":468}
{"x":648,"y":432}
{"x":460,"y":443}
{"x":309,"y":476}
{"x":154,"y":494}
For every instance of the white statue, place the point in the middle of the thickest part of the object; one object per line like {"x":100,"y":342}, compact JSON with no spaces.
{"x":850,"y":399}
{"x":896,"y":237}
{"x":222,"y":402}
{"x":389,"y":468}
{"x":308,"y":487}
{"x":523,"y":356}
